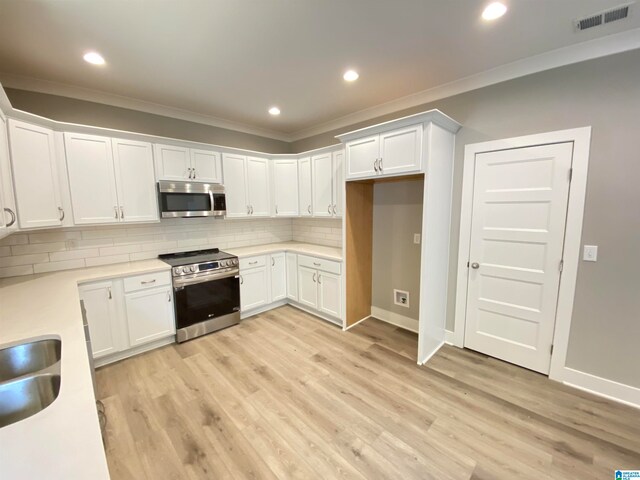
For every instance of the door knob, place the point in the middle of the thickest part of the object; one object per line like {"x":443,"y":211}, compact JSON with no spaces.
{"x":475,"y":265}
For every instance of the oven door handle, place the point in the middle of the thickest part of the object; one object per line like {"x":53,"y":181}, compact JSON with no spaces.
{"x":180,"y":282}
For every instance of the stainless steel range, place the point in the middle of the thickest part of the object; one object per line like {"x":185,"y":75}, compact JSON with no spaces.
{"x":206,"y":286}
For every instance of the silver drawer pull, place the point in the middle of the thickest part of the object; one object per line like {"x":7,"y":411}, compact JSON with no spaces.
{"x":148,"y":282}
{"x":314,"y":278}
{"x":61,"y":212}
{"x":309,"y":209}
{"x":317,"y":264}
{"x":319,"y":276}
{"x":253,"y":263}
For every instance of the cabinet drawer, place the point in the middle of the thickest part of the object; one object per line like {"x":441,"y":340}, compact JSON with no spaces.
{"x":320,"y":264}
{"x":148,"y":280}
{"x":253,"y":262}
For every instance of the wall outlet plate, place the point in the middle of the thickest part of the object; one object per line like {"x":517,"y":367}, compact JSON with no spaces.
{"x":590,"y":253}
{"x":416,"y":238}
{"x":400,"y":297}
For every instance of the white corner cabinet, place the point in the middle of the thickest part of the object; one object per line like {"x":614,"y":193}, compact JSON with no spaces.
{"x":311,"y":283}
{"x":246,"y":186}
{"x":110,"y":180}
{"x":128,"y":315}
{"x":327,"y":184}
{"x":187,"y":164}
{"x":285,"y":187}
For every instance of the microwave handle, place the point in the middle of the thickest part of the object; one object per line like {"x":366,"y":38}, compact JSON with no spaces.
{"x":213,"y":206}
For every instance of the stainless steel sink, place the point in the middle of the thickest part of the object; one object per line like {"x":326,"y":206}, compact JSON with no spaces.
{"x":27,"y":358}
{"x":24,"y":397}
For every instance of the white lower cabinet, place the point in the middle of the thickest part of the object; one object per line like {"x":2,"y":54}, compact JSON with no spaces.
{"x":320,"y":285}
{"x":292,"y":276}
{"x":254,"y":286}
{"x":278,"y":277}
{"x":329,"y":295}
{"x":307,"y":287}
{"x":124,"y":314}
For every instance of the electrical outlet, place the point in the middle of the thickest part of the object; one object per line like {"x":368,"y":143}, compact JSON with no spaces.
{"x":416,"y":238}
{"x":590,"y":253}
{"x":400,"y":297}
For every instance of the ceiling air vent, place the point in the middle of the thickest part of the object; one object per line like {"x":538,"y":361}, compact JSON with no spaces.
{"x":608,"y":16}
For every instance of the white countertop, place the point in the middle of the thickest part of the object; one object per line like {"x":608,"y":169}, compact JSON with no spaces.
{"x":322,"y":251}
{"x":63,"y":441}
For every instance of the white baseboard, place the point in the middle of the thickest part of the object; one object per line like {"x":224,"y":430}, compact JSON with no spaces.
{"x":116,"y":357}
{"x":264,"y":308}
{"x":396,"y":319}
{"x":449,"y":337}
{"x":428,"y":357}
{"x":618,"y":392}
{"x":345,"y":328}
{"x":315,"y":313}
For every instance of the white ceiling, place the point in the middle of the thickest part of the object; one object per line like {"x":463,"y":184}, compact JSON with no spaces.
{"x":233,"y":59}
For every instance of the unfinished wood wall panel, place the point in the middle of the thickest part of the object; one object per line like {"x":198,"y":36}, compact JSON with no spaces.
{"x":359,"y":245}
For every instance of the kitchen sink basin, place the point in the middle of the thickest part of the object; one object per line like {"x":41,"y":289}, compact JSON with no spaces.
{"x":26,"y":358}
{"x":26,"y":396}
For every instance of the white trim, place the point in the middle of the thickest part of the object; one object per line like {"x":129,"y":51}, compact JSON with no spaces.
{"x":130,"y":352}
{"x":335,"y":321}
{"x":618,"y":392}
{"x":345,"y":328}
{"x":449,"y":338}
{"x":428,"y":357}
{"x":396,"y":319}
{"x":581,"y":138}
{"x":580,"y":52}
{"x":262,"y":309}
{"x":96,"y":96}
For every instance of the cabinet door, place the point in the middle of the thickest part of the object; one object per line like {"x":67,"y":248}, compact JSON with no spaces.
{"x":278,"y":277}
{"x":149,"y":315}
{"x":338,"y":183}
{"x":304,"y":185}
{"x":206,"y":166}
{"x":35,"y":176}
{"x":235,"y":184}
{"x":172,"y":163}
{"x":254,"y":288}
{"x":285,"y":183}
{"x":102,"y":317}
{"x":401,"y":150}
{"x":361,"y":157}
{"x":322,"y":179}
{"x":8,"y":209}
{"x":330,"y":295}
{"x":135,"y":181}
{"x":91,"y":179}
{"x":292,"y":276}
{"x":258,"y":186}
{"x":307,"y":287}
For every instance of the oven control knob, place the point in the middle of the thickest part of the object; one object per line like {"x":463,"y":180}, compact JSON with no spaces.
{"x":224,"y":263}
{"x":177,"y":271}
{"x":235,"y":261}
{"x":193,"y":268}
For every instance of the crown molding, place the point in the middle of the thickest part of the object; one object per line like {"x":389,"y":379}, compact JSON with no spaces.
{"x":596,"y":48}
{"x":97,"y":96}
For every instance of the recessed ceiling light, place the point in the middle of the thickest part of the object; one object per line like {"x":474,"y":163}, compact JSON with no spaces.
{"x":274,"y":111}
{"x":94,"y":58}
{"x":350,"y":75}
{"x":494,"y":10}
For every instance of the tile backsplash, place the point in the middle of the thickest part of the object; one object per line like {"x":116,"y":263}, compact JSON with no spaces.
{"x":67,"y":248}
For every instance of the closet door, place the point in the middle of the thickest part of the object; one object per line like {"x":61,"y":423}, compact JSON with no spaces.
{"x":35,"y":176}
{"x":285,"y":183}
{"x":135,"y":183}
{"x":235,"y":183}
{"x":322,"y":177}
{"x":304,"y":186}
{"x":258,"y":186}
{"x":91,"y":179}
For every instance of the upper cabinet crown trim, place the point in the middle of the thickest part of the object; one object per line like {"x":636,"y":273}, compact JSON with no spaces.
{"x":433,"y":116}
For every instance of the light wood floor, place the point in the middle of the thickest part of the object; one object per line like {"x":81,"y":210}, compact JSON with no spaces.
{"x":287,"y":395}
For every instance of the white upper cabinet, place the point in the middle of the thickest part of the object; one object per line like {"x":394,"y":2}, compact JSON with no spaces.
{"x":285,"y":188}
{"x":172,"y":163}
{"x":35,"y":175}
{"x":322,"y":176}
{"x":304,"y":187}
{"x":185,"y":164}
{"x":91,"y":179}
{"x":206,"y":166}
{"x":400,"y":150}
{"x":235,"y":185}
{"x":362,"y":157}
{"x":8,"y":219}
{"x":135,"y":183}
{"x":338,"y":183}
{"x":111,"y":180}
{"x":387,"y":153}
{"x":258,"y":186}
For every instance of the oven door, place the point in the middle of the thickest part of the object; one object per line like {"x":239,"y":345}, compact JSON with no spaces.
{"x":202,"y":299}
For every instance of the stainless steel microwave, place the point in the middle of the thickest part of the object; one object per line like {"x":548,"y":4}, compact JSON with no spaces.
{"x":184,"y":199}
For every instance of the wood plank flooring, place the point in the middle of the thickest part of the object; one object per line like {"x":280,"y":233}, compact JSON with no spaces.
{"x":287,"y":395}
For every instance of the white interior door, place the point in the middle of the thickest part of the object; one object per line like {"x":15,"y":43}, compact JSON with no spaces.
{"x":517,"y":237}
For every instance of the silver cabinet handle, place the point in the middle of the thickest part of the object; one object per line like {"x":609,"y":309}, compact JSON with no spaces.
{"x":115,"y":209}
{"x":380,"y":164}
{"x":319,"y":282}
{"x":248,"y":210}
{"x":251,"y":209}
{"x":317,"y":264}
{"x":13,"y":217}
{"x":121,"y":213}
{"x":168,"y":296}
{"x":329,"y":209}
{"x":475,"y":265}
{"x":61,"y":211}
{"x":309,"y":209}
{"x":190,"y":172}
{"x":241,"y":280}
{"x":273,"y":262}
{"x":314,"y":278}
{"x":147,"y":282}
{"x":253,"y":263}
{"x":194,"y":172}
{"x":375,"y":165}
{"x":334,"y":210}
{"x":110,"y":295}
{"x":276,"y":209}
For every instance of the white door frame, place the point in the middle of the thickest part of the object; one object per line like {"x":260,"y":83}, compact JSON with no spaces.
{"x":581,"y":138}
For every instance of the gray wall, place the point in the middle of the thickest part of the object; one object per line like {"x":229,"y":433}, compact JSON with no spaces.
{"x":71,"y":110}
{"x":603,"y":93}
{"x":397,"y":215}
